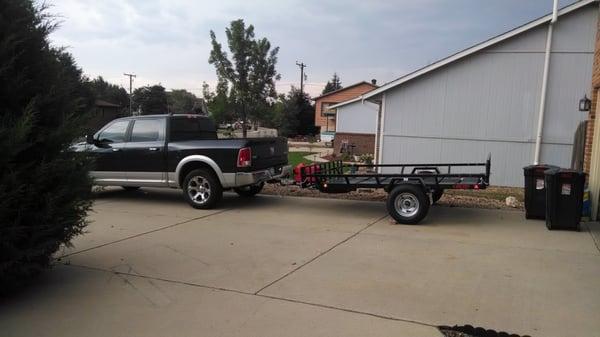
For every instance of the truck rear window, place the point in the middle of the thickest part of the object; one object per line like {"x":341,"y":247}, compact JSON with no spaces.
{"x":192,"y":128}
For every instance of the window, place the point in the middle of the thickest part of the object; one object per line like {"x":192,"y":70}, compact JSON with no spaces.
{"x":147,"y":130}
{"x":192,"y":128}
{"x":114,"y":133}
{"x":325,"y":111}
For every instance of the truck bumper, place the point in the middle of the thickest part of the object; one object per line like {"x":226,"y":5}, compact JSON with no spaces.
{"x":257,"y":177}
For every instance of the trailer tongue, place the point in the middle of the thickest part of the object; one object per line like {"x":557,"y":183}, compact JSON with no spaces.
{"x":411,"y":187}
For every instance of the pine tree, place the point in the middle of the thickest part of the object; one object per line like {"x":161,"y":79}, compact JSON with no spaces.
{"x":333,"y":85}
{"x":298,"y":115}
{"x":44,"y":188}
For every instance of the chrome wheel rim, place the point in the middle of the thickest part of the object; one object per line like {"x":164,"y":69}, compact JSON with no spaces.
{"x":199,"y":190}
{"x":407,"y":205}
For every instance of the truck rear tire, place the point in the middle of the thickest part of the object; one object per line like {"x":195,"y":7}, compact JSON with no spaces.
{"x":249,"y":191}
{"x":408,"y":204}
{"x":202,"y":189}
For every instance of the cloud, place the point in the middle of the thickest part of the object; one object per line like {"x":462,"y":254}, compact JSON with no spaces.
{"x":168,"y":41}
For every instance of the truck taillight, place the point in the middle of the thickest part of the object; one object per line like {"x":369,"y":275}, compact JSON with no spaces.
{"x":244,"y":157}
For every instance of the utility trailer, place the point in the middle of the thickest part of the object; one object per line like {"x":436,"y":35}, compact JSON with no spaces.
{"x":411,"y":189}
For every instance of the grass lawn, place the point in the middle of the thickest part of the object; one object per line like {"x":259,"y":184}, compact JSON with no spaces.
{"x":295,"y":158}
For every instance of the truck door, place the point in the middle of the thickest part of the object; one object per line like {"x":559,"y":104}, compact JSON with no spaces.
{"x":107,"y":152}
{"x":145,"y":153}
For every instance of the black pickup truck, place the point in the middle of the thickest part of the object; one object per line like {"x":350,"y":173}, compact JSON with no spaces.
{"x":183,"y":151}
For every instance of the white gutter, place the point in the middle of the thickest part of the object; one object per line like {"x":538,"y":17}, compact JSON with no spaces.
{"x":540,"y":127}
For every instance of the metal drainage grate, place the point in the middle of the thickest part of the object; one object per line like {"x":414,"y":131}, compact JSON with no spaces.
{"x":470,"y":331}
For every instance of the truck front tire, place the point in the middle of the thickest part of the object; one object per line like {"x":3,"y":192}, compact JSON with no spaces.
{"x":408,"y":204}
{"x":249,"y":191}
{"x":202,"y":189}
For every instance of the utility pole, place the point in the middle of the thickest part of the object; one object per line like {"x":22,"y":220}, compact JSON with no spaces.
{"x":302,"y":66}
{"x":131,"y":76}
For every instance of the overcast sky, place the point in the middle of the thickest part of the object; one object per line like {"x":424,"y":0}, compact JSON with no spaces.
{"x":167,"y":41}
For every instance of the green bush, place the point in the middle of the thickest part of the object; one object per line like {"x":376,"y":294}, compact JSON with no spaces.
{"x":44,"y":188}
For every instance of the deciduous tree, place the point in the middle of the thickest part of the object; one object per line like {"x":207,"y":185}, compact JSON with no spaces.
{"x":181,"y":101}
{"x":150,"y":100}
{"x":249,"y":71}
{"x":109,"y":92}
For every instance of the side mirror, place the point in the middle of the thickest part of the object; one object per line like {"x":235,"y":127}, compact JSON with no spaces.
{"x":89,"y":139}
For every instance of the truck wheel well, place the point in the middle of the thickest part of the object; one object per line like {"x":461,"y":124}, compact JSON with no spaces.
{"x":187,"y":168}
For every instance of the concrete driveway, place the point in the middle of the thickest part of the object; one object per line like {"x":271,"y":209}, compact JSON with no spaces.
{"x":152,"y":266}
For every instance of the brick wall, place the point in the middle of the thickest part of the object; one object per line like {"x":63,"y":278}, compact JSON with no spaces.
{"x":592,"y":115}
{"x":365,"y":143}
{"x":338,"y":97}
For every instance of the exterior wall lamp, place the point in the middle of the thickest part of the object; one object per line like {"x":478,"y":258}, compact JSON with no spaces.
{"x":585,"y":104}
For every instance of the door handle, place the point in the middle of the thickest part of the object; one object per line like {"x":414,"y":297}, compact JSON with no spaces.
{"x":116,"y":150}
{"x":153,"y":149}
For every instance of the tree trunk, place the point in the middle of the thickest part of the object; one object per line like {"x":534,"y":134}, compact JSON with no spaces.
{"x":244,"y":122}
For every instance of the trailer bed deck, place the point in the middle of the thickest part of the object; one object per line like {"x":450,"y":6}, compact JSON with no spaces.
{"x":377,"y":182}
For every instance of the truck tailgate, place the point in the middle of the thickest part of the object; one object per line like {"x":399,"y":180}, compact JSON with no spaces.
{"x":268,"y":152}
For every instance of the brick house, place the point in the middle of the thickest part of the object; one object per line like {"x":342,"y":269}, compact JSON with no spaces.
{"x":325,"y":118}
{"x":356,"y":126}
{"x":592,"y":141}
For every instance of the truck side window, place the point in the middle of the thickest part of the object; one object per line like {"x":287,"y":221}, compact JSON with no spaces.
{"x":115,"y":133}
{"x":183,"y":129}
{"x":147,"y":130}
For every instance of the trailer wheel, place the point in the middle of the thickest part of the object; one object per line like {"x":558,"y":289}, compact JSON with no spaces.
{"x":436,"y":195}
{"x":408,"y":204}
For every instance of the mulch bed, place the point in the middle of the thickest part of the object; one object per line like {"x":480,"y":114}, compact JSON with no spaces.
{"x":489,"y":199}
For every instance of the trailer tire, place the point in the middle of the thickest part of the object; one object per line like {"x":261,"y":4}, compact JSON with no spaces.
{"x":436,"y":195}
{"x":408,"y":204}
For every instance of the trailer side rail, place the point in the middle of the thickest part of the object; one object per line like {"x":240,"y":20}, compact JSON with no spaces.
{"x":336,"y":176}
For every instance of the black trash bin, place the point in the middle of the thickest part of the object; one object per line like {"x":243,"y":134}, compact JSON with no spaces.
{"x":535,"y":191}
{"x":564,"y":198}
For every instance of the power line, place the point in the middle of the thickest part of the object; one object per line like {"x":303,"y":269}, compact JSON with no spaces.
{"x":131,"y":76}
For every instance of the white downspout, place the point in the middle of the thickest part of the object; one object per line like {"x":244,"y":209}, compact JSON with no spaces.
{"x":380,"y":135}
{"x":540,"y":126}
{"x":376,"y":152}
